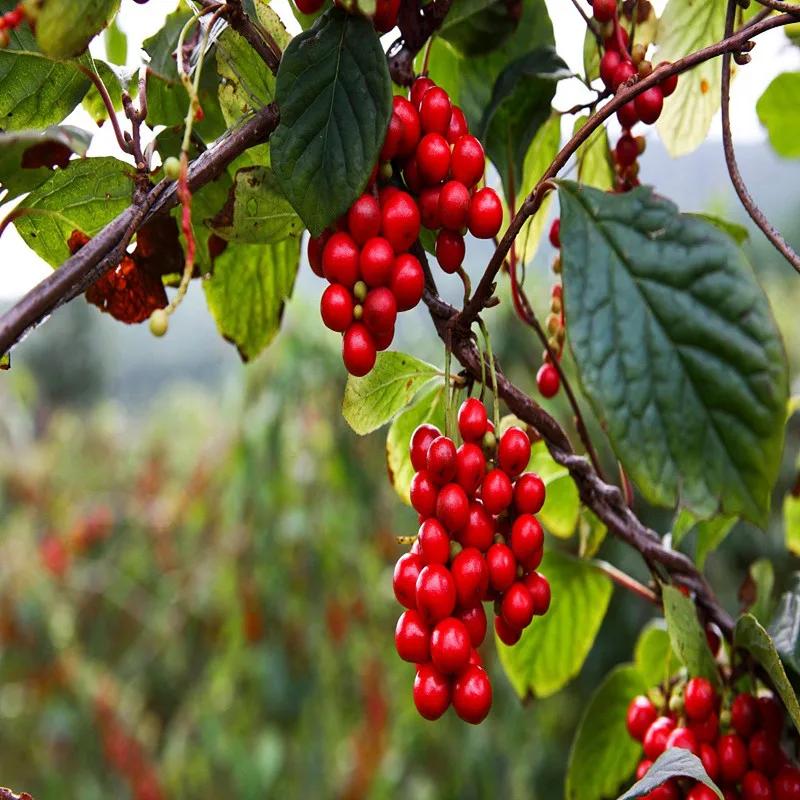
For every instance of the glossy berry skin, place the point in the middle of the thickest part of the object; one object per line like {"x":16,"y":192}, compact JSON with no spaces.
{"x":527,"y":536}
{"x":612,"y":42}
{"x":485,"y":214}
{"x":517,"y":606}
{"x":470,"y":468}
{"x":623,"y":72}
{"x":604,"y":10}
{"x":468,"y":161}
{"x":786,"y":784}
{"x":392,"y":141}
{"x":305,"y":6}
{"x":434,"y":543}
{"x":340,"y":259}
{"x":380,"y":311}
{"x":412,"y":176}
{"x":507,"y":635}
{"x":407,"y":282}
{"x":429,"y":208}
{"x":383,"y":340}
{"x":502,"y":567}
{"x":471,"y":576}
{"x":707,"y":730}
{"x":496,"y":492}
{"x":547,"y":381}
{"x":641,"y":715}
{"x":385,"y":16}
{"x":421,"y":441}
{"x":358,"y":350}
{"x":667,"y":791}
{"x":424,"y":493}
{"x":364,"y":219}
{"x":479,"y":530}
{"x":710,"y":759}
{"x":433,"y":158}
{"x":608,"y":66}
{"x":643,"y":768}
{"x":454,"y":203}
{"x":452,"y":508}
{"x":450,"y":646}
{"x":435,"y":110}
{"x":404,"y":580}
{"x":685,"y":739}
{"x":418,"y":90}
{"x":472,"y":420}
{"x":376,"y":261}
{"x":669,"y":85}
{"x":627,"y":150}
{"x":628,"y":116}
{"x":412,"y":130}
{"x":458,"y":126}
{"x":699,"y":698}
{"x":648,"y":104}
{"x":432,"y":692}
{"x":514,"y":451}
{"x":756,"y":786}
{"x":441,"y":461}
{"x":771,"y":716}
{"x":655,"y":740}
{"x":436,"y":593}
{"x":733,"y":759}
{"x":412,"y":638}
{"x":529,"y":493}
{"x":764,"y":750}
{"x":450,"y":250}
{"x":475,"y":621}
{"x":336,"y":308}
{"x":539,"y":589}
{"x":314,"y":250}
{"x":472,"y":695}
{"x":745,"y":715}
{"x":400,"y":221}
{"x":701,"y":792}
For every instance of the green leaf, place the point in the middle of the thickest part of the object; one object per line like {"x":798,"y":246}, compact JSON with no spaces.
{"x":791,"y":523}
{"x":676,"y":348}
{"x":22,"y":152}
{"x":256,"y":212}
{"x":594,"y":158}
{"x":738,"y":233}
{"x":248,"y":290}
{"x":430,"y":409}
{"x":684,"y":28}
{"x":307,"y":20}
{"x":64,"y":28}
{"x":603,"y":755}
{"x":115,"y":79}
{"x":375,"y":399}
{"x":653,"y":653}
{"x":84,"y":197}
{"x":520,"y":105}
{"x":683,"y":526}
{"x":116,"y":43}
{"x":762,"y":574}
{"x":710,"y":535}
{"x":335,"y":96}
{"x":784,"y":627}
{"x":673,"y":763}
{"x":751,"y":636}
{"x":553,"y":648}
{"x":476,"y":27}
{"x":591,"y":532}
{"x":562,"y":504}
{"x":687,"y":637}
{"x":5,"y":361}
{"x":779,"y":113}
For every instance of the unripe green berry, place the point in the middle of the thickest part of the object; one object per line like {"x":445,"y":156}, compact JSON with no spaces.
{"x":725,"y":719}
{"x":489,"y":441}
{"x":499,"y":539}
{"x":358,"y":311}
{"x":645,"y":68}
{"x":657,"y":698}
{"x":360,"y":291}
{"x":386,"y":170}
{"x":676,"y":704}
{"x":455,"y":549}
{"x":158,"y":322}
{"x":637,"y":53}
{"x":172,"y":168}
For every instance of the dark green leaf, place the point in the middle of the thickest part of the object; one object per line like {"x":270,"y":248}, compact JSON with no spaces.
{"x":778,"y":111}
{"x":653,"y":653}
{"x":116,"y":43}
{"x":553,"y":648}
{"x":476,"y":27}
{"x":784,"y":627}
{"x":115,"y":79}
{"x":248,"y":291}
{"x":751,"y":636}
{"x":64,"y":28}
{"x":603,"y":755}
{"x":677,"y":349}
{"x":672,"y":763}
{"x":738,"y":233}
{"x":335,"y":97}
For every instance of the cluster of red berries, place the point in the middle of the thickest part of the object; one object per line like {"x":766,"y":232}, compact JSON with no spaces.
{"x":8,"y":22}
{"x":478,"y":541}
{"x":740,"y":747}
{"x":384,"y":17}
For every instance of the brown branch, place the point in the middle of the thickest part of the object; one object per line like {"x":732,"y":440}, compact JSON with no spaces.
{"x":106,"y":98}
{"x":7,"y":794}
{"x":781,"y":5}
{"x":416,"y":25}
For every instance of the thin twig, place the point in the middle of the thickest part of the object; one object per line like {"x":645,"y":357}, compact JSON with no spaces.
{"x":112,"y":114}
{"x":625,"y":580}
{"x":781,"y":5}
{"x":590,"y":24}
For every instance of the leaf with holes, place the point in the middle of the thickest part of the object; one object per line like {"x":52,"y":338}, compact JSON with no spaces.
{"x":784,"y":627}
{"x":673,"y":763}
{"x":677,"y":349}
{"x":335,"y":96}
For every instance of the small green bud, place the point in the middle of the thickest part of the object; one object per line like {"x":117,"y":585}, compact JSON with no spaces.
{"x":172,"y":168}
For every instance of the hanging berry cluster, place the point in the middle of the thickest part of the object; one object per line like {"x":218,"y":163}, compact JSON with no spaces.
{"x":739,"y":744}
{"x":478,"y":541}
{"x":434,"y":166}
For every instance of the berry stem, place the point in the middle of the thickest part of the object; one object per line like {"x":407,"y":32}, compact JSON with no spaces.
{"x":448,"y":398}
{"x":496,"y":407}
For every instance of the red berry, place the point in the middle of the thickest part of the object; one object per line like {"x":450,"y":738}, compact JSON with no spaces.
{"x":450,"y":646}
{"x":517,"y":606}
{"x":628,"y":115}
{"x":643,"y":768}
{"x":452,"y":508}
{"x":385,"y":16}
{"x":336,"y":308}
{"x":450,"y":250}
{"x":383,"y":340}
{"x":429,"y":208}
{"x":400,"y":221}
{"x":745,"y":715}
{"x":458,"y":126}
{"x":442,"y":460}
{"x":404,"y":581}
{"x":733,"y":759}
{"x":385,"y":192}
{"x":771,"y":716}
{"x":412,"y":176}
{"x":708,"y":755}
{"x":604,"y":10}
{"x":315,"y":249}
{"x":475,"y":621}
{"x":701,"y":792}
{"x":470,"y":468}
{"x":655,"y":739}
{"x":502,"y":567}
{"x":305,"y":6}
{"x":431,"y":692}
{"x":434,"y":543}
{"x":407,"y":282}
{"x":507,"y":635}
{"x":756,"y":786}
{"x":475,"y":658}
{"x":514,"y":451}
{"x":529,"y":565}
{"x":472,"y":420}
{"x":764,"y":750}
{"x":626,"y":151}
{"x":496,"y":492}
{"x":454,"y":203}
{"x":612,"y":42}
{"x":364,"y":219}
{"x":435,"y":110}
{"x":471,"y":576}
{"x":419,"y":88}
{"x":409,"y":117}
{"x":392,"y":141}
{"x":436,"y":593}
{"x":358,"y":350}
{"x":485,"y":214}
{"x":376,"y":261}
{"x":479,"y":530}
{"x":648,"y":104}
{"x":608,"y":66}
{"x":527,"y":536}
{"x":667,"y":791}
{"x":539,"y":589}
{"x":623,"y":72}
{"x":787,"y":784}
{"x":468,"y":161}
{"x":340,"y":259}
{"x":420,"y":443}
{"x":529,"y":493}
{"x":433,"y":158}
{"x":669,"y":85}
{"x":699,"y":698}
{"x":380,"y":311}
{"x":472,"y":695}
{"x":707,"y":730}
{"x":684,"y":739}
{"x":412,"y":638}
{"x":547,"y":381}
{"x":424,"y":493}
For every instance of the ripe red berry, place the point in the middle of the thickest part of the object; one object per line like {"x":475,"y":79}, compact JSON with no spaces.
{"x":667,"y":791}
{"x":383,"y":340}
{"x":452,"y":508}
{"x":436,"y":593}
{"x":701,"y":792}
{"x":529,"y":565}
{"x":627,"y":115}
{"x":340,"y":259}
{"x":604,"y":10}
{"x":527,"y":536}
{"x":745,"y":715}
{"x":411,"y":175}
{"x":555,"y":233}
{"x":433,"y":158}
{"x":502,"y":567}
{"x":472,"y":695}
{"x":419,"y":88}
{"x":470,"y":468}
{"x":612,"y":42}
{"x":655,"y":739}
{"x":409,"y":117}
{"x":450,"y":646}
{"x":756,"y":786}
{"x":336,"y":308}
{"x":733,"y":758}
{"x":496,"y":492}
{"x":479,"y":530}
{"x":468,"y":161}
{"x":507,"y":635}
{"x":685,"y":739}
{"x":303,"y":6}
{"x":547,"y":381}
{"x":472,"y":420}
{"x":771,"y":716}
{"x":608,"y":66}
{"x":358,"y":350}
{"x":315,"y":249}
{"x":385,"y":16}
{"x":623,"y":72}
{"x":475,"y":621}
{"x":441,"y":460}
{"x":787,"y":784}
{"x":485,"y":214}
{"x":471,"y":576}
{"x":699,"y":698}
{"x":421,"y":440}
{"x":450,"y":250}
{"x":364,"y":219}
{"x":431,"y":692}
{"x":458,"y":126}
{"x":669,"y":85}
{"x":424,"y":492}
{"x":514,"y":451}
{"x":764,"y":750}
{"x":517,"y":606}
{"x":454,"y":205}
{"x":380,"y":311}
{"x":412,"y":638}
{"x":529,"y":493}
{"x":407,"y":282}
{"x":435,"y":111}
{"x":626,"y":151}
{"x":708,"y":755}
{"x":400,"y":221}
{"x":648,"y":104}
{"x":376,"y":261}
{"x":392,"y":141}
{"x":707,"y":730}
{"x":429,"y":208}
{"x":539,"y":589}
{"x":404,"y":580}
{"x":434,"y":543}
